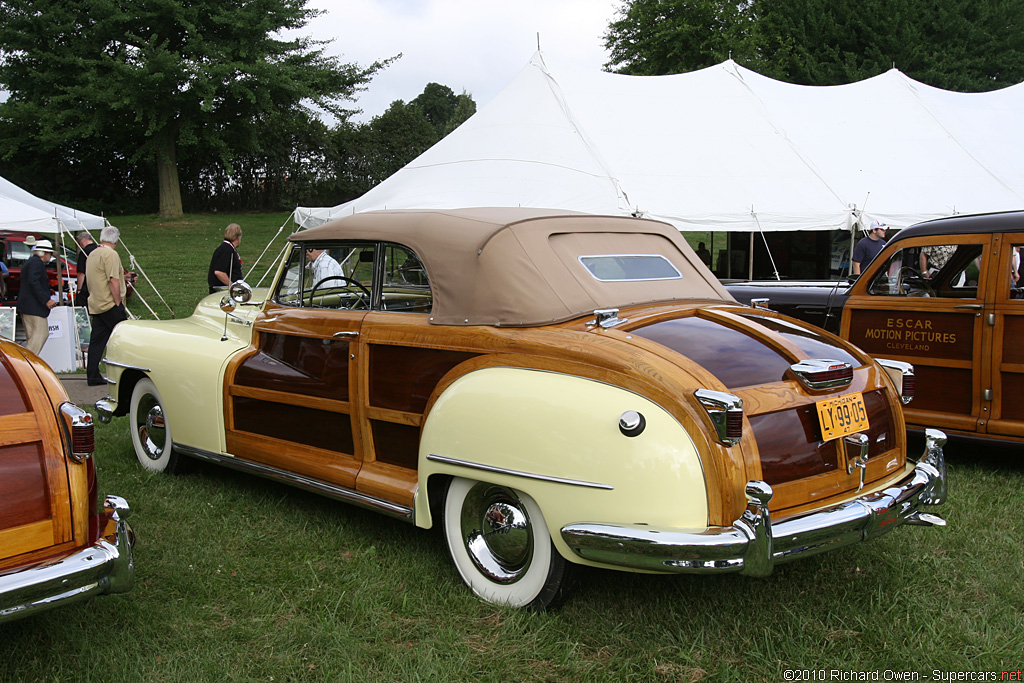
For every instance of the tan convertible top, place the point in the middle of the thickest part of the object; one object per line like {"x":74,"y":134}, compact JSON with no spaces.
{"x":521,"y":267}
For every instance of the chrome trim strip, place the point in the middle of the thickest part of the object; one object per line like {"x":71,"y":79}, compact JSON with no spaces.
{"x":107,"y":566}
{"x":126,"y":366}
{"x":323,"y":488}
{"x":753,"y":545}
{"x":516,"y":473}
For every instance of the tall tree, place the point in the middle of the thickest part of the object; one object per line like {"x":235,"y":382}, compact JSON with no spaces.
{"x":657,"y":37}
{"x":967,"y":45}
{"x":156,"y":76}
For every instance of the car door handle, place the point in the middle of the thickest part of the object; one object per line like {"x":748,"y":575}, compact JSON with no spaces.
{"x":973,"y":307}
{"x":346,"y":334}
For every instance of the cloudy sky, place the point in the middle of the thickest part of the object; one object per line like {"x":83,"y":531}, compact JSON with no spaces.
{"x":472,"y":45}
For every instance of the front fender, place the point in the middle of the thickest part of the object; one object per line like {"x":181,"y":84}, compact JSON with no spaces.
{"x":186,"y":361}
{"x":556,"y":437}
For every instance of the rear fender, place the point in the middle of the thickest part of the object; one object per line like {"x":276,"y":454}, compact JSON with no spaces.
{"x":557,"y":438}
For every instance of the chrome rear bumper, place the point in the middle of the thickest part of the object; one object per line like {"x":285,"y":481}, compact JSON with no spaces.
{"x":107,"y":566}
{"x":753,"y":545}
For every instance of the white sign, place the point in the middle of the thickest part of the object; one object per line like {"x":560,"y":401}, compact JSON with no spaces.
{"x":59,"y":349}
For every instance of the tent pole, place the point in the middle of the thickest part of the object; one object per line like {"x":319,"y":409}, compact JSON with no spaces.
{"x":750,"y":260}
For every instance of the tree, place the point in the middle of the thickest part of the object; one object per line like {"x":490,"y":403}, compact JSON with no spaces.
{"x":155,"y":77}
{"x":364,"y":155}
{"x":657,"y":37}
{"x":966,"y":45}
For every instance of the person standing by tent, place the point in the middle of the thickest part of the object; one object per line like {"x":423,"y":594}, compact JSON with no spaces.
{"x":869,"y":246}
{"x":704,"y":254}
{"x":86,"y":245}
{"x":106,"y":298}
{"x":34,"y":298}
{"x":226,"y":264}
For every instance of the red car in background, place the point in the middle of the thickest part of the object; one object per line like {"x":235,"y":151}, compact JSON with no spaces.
{"x":15,"y":251}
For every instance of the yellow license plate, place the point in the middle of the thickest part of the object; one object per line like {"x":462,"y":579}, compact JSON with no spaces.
{"x":841,"y":416}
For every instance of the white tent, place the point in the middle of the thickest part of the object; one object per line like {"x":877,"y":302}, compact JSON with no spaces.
{"x":22,"y":211}
{"x":722,"y":148}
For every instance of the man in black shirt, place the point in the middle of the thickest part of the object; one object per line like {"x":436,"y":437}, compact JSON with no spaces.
{"x":86,"y":244}
{"x":226,"y":265}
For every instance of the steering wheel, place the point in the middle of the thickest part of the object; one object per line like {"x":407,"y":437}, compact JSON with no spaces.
{"x":349,"y":283}
{"x":909,"y":277}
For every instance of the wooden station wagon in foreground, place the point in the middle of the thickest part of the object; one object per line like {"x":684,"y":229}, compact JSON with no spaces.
{"x":57,"y":545}
{"x":940,"y":296}
{"x":551,"y":388}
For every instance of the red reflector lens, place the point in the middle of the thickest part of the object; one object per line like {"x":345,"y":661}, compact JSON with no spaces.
{"x":833,"y":374}
{"x":908,"y":386}
{"x":734,"y":424}
{"x":83,"y":439}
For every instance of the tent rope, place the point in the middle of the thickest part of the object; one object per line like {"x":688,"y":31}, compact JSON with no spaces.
{"x":775,"y":268}
{"x":260,"y":257}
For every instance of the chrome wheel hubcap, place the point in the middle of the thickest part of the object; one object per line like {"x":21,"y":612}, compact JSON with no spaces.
{"x":497,"y":532}
{"x":150,"y":427}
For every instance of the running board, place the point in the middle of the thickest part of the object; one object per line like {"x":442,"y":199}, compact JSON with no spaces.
{"x":322,"y":488}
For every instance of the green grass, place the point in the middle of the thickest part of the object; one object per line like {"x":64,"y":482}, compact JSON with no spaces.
{"x":174,"y":254}
{"x":242,"y":579}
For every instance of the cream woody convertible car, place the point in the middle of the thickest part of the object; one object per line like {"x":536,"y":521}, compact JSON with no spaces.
{"x":553,"y":389}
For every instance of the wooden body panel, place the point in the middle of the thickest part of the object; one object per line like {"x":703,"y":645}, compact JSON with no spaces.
{"x":966,"y":351}
{"x":361,"y":424}
{"x":38,"y":513}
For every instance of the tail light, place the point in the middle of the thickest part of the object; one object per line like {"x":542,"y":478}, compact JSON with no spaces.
{"x":79,"y":432}
{"x":902,"y":376}
{"x":726,"y":413}
{"x":822,"y":373}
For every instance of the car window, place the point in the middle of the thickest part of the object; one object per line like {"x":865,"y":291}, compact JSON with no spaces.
{"x":949,"y":271}
{"x":404,"y":285}
{"x":341,"y":276}
{"x":334,"y":276}
{"x":1016,"y":282}
{"x":19,"y":254}
{"x":630,"y":267}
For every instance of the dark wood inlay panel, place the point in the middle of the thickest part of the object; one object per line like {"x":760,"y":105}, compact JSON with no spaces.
{"x":914,"y":333}
{"x":879,"y":424}
{"x":23,"y":486}
{"x":735,"y":358}
{"x":402,"y":377}
{"x":11,"y":399}
{"x":945,"y":390}
{"x":308,"y":426}
{"x":312,"y":367}
{"x":1013,"y":332}
{"x":396,"y":444}
{"x":790,"y":445}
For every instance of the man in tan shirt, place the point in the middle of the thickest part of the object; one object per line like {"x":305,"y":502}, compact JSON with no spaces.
{"x":106,"y":298}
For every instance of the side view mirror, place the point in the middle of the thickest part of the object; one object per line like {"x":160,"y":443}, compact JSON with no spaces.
{"x":240,"y":293}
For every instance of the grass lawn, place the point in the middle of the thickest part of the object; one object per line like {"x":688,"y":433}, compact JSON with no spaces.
{"x":242,"y":579}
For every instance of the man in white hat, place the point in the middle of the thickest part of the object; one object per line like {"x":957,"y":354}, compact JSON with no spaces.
{"x":34,"y":302}
{"x":868,"y":247}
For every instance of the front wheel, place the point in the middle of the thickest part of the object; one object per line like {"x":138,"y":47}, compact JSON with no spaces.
{"x":501,"y":546}
{"x":151,"y":432}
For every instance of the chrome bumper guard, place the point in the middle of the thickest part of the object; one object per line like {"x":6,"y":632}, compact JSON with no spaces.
{"x":753,"y":545}
{"x":105,"y":408}
{"x":108,"y":566}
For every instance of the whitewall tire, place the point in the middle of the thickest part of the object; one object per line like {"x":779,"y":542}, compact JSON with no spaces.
{"x":151,"y":430}
{"x":500,"y":544}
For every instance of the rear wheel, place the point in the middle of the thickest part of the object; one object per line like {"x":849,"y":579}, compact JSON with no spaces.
{"x":501,"y":546}
{"x":151,"y":432}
